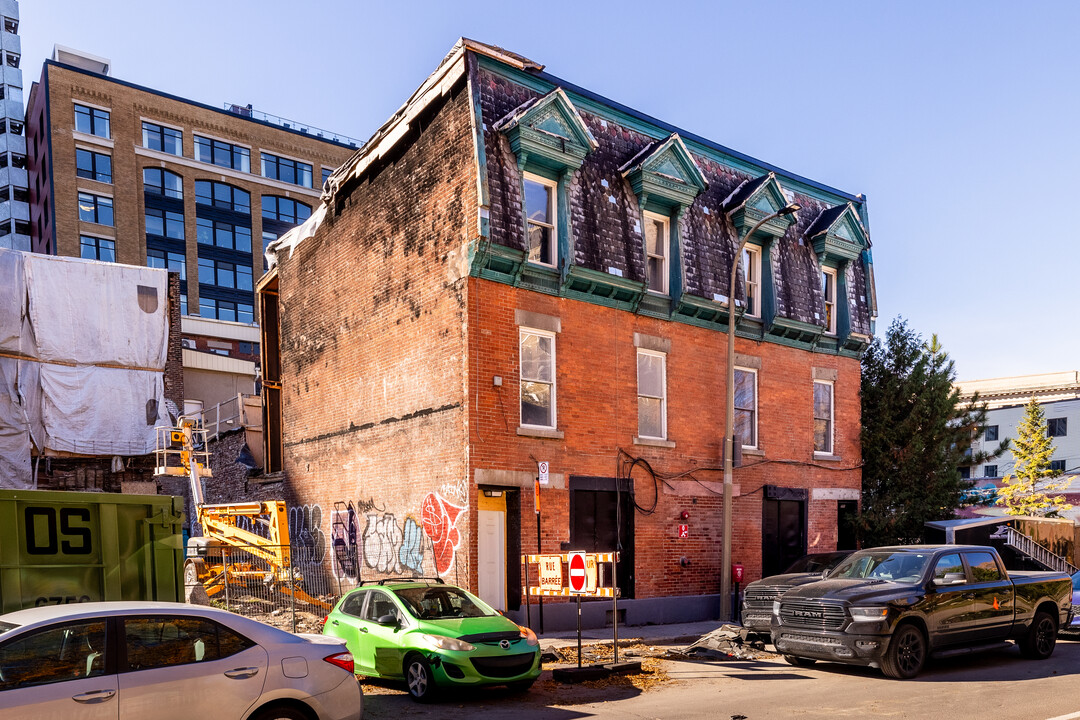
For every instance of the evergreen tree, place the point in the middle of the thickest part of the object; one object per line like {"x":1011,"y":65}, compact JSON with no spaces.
{"x":1026,"y":487}
{"x":915,"y":435}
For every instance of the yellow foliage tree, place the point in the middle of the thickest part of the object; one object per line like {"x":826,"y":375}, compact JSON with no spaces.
{"x":1030,"y":489}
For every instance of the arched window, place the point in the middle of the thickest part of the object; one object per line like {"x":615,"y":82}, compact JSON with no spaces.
{"x":284,"y":209}
{"x":220,"y":195}
{"x":159,"y":181}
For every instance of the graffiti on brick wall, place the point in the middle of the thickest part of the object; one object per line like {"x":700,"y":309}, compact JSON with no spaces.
{"x":439,"y":517}
{"x":412,"y":546}
{"x":382,"y":543}
{"x":306,"y":533}
{"x":343,"y":539}
{"x":394,"y":547}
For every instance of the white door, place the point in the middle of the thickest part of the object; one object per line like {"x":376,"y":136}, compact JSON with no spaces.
{"x":492,"y":551}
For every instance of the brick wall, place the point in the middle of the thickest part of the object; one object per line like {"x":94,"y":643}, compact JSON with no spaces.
{"x":596,"y":380}
{"x":174,"y":360}
{"x":373,"y":323}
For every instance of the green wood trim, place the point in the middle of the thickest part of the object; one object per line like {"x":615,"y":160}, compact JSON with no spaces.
{"x":508,"y":267}
{"x":799,"y":333}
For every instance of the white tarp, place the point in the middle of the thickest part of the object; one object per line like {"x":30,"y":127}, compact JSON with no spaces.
{"x":98,"y":313}
{"x":82,"y":358}
{"x":102,"y":411}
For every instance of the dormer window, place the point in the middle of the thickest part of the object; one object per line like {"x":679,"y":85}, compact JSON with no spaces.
{"x":828,"y":290}
{"x":550,"y":141}
{"x":657,"y":239}
{"x":541,"y":211}
{"x":752,"y":269}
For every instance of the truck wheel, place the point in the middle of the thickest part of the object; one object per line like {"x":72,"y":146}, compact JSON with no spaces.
{"x":799,"y":661}
{"x":1041,"y":637}
{"x":906,"y":654}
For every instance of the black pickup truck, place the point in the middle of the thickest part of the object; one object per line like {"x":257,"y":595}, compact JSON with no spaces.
{"x":893,"y":607}
{"x":759,"y":596}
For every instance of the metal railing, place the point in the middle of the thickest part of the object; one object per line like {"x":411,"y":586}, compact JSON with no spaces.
{"x":1027,"y":546}
{"x":228,"y":415}
{"x":248,"y":112}
{"x":294,"y":598}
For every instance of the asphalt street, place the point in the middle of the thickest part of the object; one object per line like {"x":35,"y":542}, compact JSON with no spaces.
{"x":999,"y":684}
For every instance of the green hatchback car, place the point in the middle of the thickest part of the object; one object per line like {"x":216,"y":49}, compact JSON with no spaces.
{"x":432,"y":635}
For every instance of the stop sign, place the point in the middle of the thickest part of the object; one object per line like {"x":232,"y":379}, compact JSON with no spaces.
{"x":577,"y":573}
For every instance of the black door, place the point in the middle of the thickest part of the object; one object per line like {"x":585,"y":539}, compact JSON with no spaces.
{"x":601,"y":519}
{"x":846,"y":513}
{"x":783,"y":528}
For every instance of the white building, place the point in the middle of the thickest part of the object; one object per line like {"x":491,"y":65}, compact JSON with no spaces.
{"x":1059,"y":395}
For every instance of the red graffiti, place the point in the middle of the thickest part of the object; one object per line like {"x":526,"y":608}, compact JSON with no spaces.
{"x":439,"y":517}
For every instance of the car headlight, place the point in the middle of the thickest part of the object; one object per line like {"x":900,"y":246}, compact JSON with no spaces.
{"x":869,"y":614}
{"x":529,"y":636}
{"x":441,"y":642}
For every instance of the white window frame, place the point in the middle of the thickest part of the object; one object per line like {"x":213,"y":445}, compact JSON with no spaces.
{"x":553,"y":211}
{"x":830,"y":303}
{"x":666,"y":257}
{"x":522,"y":332}
{"x":753,"y":372}
{"x":752,"y":278}
{"x":832,"y":416}
{"x":663,"y":392}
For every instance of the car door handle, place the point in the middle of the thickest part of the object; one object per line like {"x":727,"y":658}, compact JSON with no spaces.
{"x":334,"y":622}
{"x":363,"y":629}
{"x":242,"y":673}
{"x":94,"y":696}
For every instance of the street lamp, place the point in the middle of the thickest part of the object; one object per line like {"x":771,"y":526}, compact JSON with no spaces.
{"x":726,"y":609}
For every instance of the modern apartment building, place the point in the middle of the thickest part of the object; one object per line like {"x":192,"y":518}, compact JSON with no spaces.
{"x":130,"y":174}
{"x":14,"y":199}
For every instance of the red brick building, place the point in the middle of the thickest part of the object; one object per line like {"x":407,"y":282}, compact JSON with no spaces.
{"x":515,"y":270}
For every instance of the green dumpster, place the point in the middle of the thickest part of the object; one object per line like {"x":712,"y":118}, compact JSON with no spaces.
{"x":68,"y":547}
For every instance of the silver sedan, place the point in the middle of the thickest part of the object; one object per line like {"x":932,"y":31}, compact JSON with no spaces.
{"x":128,"y":660}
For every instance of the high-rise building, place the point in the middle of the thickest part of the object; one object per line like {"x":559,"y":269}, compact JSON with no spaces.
{"x":14,"y":199}
{"x":129,"y":174}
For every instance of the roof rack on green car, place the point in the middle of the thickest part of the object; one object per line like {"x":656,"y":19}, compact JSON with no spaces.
{"x":401,"y":581}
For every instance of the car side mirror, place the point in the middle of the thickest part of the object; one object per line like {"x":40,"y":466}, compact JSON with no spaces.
{"x":825,"y":574}
{"x":388,"y":619}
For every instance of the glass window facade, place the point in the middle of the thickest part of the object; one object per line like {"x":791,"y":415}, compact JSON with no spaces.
{"x":223,"y":235}
{"x":164,"y":223}
{"x":217,"y":152}
{"x":226,"y":310}
{"x":171,"y":261}
{"x":93,"y":165}
{"x":164,"y":139}
{"x":92,"y":121}
{"x":96,"y":209}
{"x":284,"y":209}
{"x":158,"y":181}
{"x":222,"y":195}
{"x":224,"y":274}
{"x":286,"y":170}
{"x":95,"y":248}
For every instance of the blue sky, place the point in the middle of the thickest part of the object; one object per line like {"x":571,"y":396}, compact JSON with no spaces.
{"x":956,"y":119}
